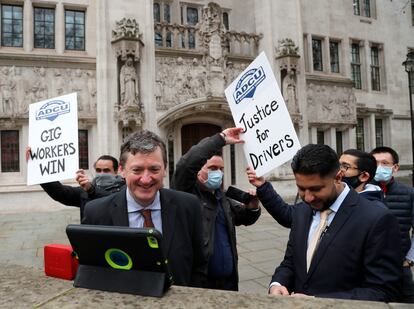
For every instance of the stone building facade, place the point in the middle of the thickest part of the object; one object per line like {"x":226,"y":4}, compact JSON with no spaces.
{"x":163,"y":65}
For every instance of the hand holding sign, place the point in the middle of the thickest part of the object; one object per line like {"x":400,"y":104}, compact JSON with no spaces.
{"x":232,"y":136}
{"x":258,"y":107}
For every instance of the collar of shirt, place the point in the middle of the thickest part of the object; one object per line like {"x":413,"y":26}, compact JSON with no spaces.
{"x":134,"y":206}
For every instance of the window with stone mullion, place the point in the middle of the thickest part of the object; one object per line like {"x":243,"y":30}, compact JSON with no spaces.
{"x":356,"y":66}
{"x":10,"y":151}
{"x":44,"y":28}
{"x":12,"y":25}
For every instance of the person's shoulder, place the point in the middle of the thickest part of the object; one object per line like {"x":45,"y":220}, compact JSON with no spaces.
{"x":105,"y":199}
{"x":401,"y":188}
{"x":177,"y":194}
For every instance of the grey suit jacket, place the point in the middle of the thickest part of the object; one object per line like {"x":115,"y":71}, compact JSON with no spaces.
{"x":181,"y":225}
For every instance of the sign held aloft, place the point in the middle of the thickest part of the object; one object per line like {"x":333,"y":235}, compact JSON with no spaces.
{"x":258,"y":107}
{"x":53,"y":139}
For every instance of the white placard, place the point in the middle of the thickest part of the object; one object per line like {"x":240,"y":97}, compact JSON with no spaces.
{"x":258,"y":107}
{"x":53,"y":138}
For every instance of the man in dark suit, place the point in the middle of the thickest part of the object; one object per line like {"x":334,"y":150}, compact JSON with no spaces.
{"x":341,"y":245}
{"x":144,"y":203}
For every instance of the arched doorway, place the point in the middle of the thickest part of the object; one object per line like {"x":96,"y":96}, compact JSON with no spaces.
{"x":191,"y":134}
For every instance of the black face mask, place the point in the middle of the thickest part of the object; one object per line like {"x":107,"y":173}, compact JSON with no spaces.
{"x":352,"y":181}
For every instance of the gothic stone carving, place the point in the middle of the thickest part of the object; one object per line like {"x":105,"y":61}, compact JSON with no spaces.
{"x":126,"y":39}
{"x":331,"y":104}
{"x":287,"y":47}
{"x":21,"y":86}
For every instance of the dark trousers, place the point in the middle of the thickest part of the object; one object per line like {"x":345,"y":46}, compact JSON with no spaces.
{"x":408,"y":286}
{"x":221,"y":284}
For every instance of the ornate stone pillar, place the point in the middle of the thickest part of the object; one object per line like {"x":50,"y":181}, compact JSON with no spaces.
{"x":127,"y":44}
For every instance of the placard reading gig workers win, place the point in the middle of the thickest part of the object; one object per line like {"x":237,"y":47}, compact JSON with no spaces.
{"x":258,"y":107}
{"x":53,"y":139}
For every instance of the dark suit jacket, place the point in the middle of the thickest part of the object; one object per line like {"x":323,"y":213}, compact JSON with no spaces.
{"x":358,"y":258}
{"x":181,"y":228}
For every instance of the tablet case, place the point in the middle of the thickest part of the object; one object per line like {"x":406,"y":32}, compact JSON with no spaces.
{"x":120,"y":259}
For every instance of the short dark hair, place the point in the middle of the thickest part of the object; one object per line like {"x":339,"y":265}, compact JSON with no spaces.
{"x":365,"y":161}
{"x":315,"y":159}
{"x":108,"y":158}
{"x":385,"y":149}
{"x":142,"y":142}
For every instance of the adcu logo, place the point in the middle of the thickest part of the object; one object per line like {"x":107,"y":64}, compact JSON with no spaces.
{"x":248,"y":83}
{"x":51,"y":110}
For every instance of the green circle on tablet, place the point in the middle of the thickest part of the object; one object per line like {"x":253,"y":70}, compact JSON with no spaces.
{"x":118,"y":259}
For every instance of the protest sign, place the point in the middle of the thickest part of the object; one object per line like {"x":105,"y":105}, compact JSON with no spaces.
{"x":53,"y":138}
{"x":258,"y":107}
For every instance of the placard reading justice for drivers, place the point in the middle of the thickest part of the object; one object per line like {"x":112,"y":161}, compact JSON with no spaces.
{"x":53,"y":138}
{"x":258,"y":107}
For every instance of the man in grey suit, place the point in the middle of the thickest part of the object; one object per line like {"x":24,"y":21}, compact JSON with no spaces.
{"x":145,"y":203}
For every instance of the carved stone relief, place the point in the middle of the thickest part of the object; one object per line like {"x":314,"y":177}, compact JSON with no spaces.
{"x":182,"y":79}
{"x":21,"y":86}
{"x":331,"y":104}
{"x":290,"y":93}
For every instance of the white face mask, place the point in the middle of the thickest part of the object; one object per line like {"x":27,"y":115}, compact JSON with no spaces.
{"x":383,"y":173}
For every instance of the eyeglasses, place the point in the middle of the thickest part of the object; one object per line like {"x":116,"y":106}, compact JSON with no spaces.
{"x":345,"y":167}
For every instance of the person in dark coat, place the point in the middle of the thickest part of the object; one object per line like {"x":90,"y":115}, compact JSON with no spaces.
{"x":399,"y":198}
{"x":341,"y":245}
{"x":200,"y":172}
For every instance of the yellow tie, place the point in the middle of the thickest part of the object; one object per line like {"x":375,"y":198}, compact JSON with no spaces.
{"x":314,"y":242}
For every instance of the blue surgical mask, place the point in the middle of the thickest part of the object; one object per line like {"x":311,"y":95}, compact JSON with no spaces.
{"x":214,"y":180}
{"x":383,"y":173}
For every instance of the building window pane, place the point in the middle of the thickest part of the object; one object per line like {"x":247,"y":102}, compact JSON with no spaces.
{"x":74,"y":30}
{"x":226,"y":20}
{"x":412,"y":12}
{"x":317,"y":54}
{"x":339,"y":147}
{"x":357,"y":10}
{"x":356,"y":66}
{"x":192,"y":16}
{"x":158,"y":39}
{"x":367,"y":8}
{"x":320,"y":137}
{"x":167,"y":14}
{"x":379,"y":134}
{"x":360,"y":143}
{"x":157,"y":15}
{"x":168,"y":39}
{"x":10,"y":151}
{"x":12,"y":25}
{"x":191,"y":40}
{"x":44,"y":28}
{"x":83,"y":149}
{"x":375,"y":69}
{"x":334,"y":54}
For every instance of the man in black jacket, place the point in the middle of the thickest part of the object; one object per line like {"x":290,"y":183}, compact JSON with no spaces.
{"x":200,"y":171}
{"x":359,"y":169}
{"x":400,"y":200}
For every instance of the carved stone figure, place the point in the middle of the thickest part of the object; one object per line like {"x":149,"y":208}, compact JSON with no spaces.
{"x":289,"y":91}
{"x":8,"y":91}
{"x":92,"y":90}
{"x":129,"y":84}
{"x":287,"y":48}
{"x":126,"y":28}
{"x":79,"y":85}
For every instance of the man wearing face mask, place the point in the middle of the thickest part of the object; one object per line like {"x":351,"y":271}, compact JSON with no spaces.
{"x":399,"y":198}
{"x":200,"y":171}
{"x":359,"y":169}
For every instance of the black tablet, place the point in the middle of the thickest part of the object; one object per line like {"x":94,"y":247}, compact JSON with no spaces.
{"x":108,"y":253}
